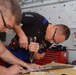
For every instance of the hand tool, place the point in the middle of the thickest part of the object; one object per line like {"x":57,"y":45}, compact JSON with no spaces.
{"x":31,"y":56}
{"x":15,"y":46}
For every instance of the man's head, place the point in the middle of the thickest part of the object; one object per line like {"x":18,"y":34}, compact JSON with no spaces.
{"x":10,"y":14}
{"x":57,"y":33}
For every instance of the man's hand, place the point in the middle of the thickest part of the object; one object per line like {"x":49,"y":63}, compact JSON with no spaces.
{"x":34,"y":47}
{"x":34,"y":66}
{"x":23,"y":42}
{"x":13,"y":70}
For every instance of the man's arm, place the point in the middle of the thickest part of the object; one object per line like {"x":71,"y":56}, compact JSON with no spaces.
{"x":23,"y":40}
{"x":38,"y":56}
{"x":7,"y":56}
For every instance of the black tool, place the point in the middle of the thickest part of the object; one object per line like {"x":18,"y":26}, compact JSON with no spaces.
{"x":15,"y":46}
{"x":31,"y":56}
{"x":15,"y":43}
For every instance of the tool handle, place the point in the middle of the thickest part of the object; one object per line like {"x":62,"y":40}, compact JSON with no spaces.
{"x":31,"y":54}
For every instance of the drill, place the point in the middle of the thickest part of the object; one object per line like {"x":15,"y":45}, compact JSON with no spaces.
{"x":15,"y":46}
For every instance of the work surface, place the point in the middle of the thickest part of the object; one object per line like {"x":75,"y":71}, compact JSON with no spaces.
{"x":64,"y":71}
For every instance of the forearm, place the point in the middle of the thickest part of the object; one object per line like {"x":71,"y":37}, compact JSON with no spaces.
{"x":11,"y":59}
{"x":18,"y":30}
{"x":23,"y":39}
{"x":38,"y":56}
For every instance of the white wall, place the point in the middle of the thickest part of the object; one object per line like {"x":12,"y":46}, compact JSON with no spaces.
{"x":9,"y":36}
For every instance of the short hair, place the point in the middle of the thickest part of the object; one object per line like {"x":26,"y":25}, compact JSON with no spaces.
{"x":11,"y":8}
{"x":64,"y":30}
